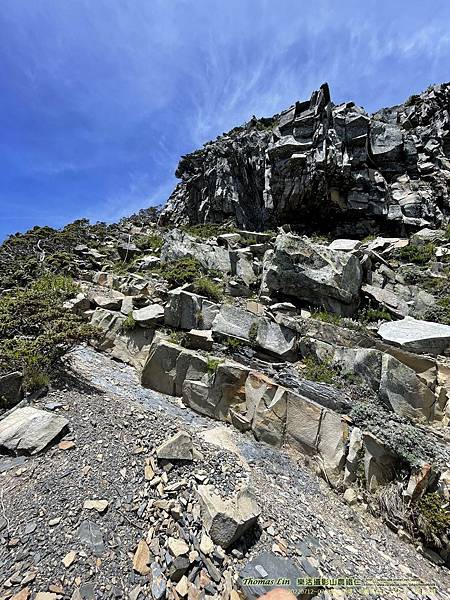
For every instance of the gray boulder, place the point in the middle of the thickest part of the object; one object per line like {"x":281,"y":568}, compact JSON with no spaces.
{"x":258,"y":331}
{"x":424,"y":337}
{"x":317,"y":430}
{"x":29,"y":430}
{"x":110,"y":300}
{"x":185,"y":310}
{"x":127,"y":345}
{"x":266,"y":408}
{"x":199,"y":339}
{"x":168,"y":366}
{"x":227,"y":520}
{"x":178,"y":244}
{"x":313,"y":273}
{"x":227,"y":389}
{"x":149,"y":315}
{"x":387,"y":299}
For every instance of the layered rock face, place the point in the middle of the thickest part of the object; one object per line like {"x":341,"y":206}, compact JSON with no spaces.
{"x":320,"y":165}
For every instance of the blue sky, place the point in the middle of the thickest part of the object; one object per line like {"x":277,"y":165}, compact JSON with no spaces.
{"x":99,"y":98}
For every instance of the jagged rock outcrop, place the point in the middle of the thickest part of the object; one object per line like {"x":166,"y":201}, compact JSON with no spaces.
{"x":316,"y":160}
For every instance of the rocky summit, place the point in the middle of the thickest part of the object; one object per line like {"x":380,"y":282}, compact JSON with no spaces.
{"x":317,"y":161}
{"x":248,"y":389}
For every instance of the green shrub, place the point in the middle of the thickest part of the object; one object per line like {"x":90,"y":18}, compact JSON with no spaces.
{"x":213,"y":363}
{"x":151,"y":241}
{"x":130,"y":323}
{"x":439,"y":312}
{"x":402,"y":438}
{"x":420,"y":255}
{"x":21,"y":254}
{"x":233,"y":343}
{"x":205,"y":287}
{"x":181,"y":271}
{"x":320,"y":371}
{"x":35,"y":329}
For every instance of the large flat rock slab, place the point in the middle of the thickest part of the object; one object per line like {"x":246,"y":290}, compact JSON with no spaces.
{"x":29,"y":430}
{"x":424,"y":337}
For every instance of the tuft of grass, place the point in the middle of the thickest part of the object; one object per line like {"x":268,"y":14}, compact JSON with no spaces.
{"x":206,"y":287}
{"x":369,"y":314}
{"x":253,"y":333}
{"x":177,"y":337}
{"x":327,"y":317}
{"x":233,"y":343}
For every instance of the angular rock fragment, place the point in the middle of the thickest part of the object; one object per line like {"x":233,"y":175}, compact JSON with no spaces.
{"x":424,"y":337}
{"x":90,"y":534}
{"x":186,"y":310}
{"x":178,"y":447}
{"x":266,"y":408}
{"x":345,"y":245}
{"x":110,"y":301}
{"x":404,"y":392}
{"x":158,"y":583}
{"x":29,"y":430}
{"x":177,"y":547}
{"x":198,"y":339}
{"x":149,"y":315}
{"x":226,"y":520}
{"x":387,"y":299}
{"x":141,"y":558}
{"x":255,"y":330}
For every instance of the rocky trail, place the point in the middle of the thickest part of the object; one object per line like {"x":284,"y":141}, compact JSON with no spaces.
{"x":57,"y":545}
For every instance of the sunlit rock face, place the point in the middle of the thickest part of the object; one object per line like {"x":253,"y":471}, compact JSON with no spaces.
{"x":320,"y":165}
